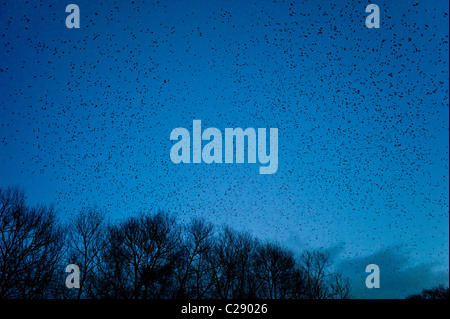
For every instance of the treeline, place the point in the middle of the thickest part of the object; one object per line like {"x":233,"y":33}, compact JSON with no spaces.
{"x":439,"y":292}
{"x":149,"y":256}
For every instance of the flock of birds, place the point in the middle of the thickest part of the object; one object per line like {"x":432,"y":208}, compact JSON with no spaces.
{"x":362,"y":114}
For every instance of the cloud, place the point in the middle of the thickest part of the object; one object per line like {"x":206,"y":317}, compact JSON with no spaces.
{"x":399,"y":276}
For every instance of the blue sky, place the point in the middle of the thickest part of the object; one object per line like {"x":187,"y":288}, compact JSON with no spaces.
{"x":362,"y":114}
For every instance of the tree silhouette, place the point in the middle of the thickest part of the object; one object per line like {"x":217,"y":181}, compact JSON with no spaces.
{"x":439,"y":292}
{"x":138,"y":257}
{"x":150,"y":256}
{"x":31,"y":247}
{"x":234,"y":265}
{"x":275,"y":266}
{"x":86,"y":242}
{"x":193,"y":271}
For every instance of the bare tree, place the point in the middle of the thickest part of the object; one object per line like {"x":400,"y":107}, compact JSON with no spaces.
{"x":315,"y":265}
{"x":150,"y":256}
{"x":233,"y":258}
{"x":194,"y":276}
{"x":139,"y":257}
{"x":339,"y":287}
{"x":31,"y":246}
{"x":86,"y":242}
{"x":321,"y":282}
{"x":439,"y":292}
{"x":275,"y":267}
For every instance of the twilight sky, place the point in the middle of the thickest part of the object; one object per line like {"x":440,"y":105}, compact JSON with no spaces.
{"x":362,"y":117}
